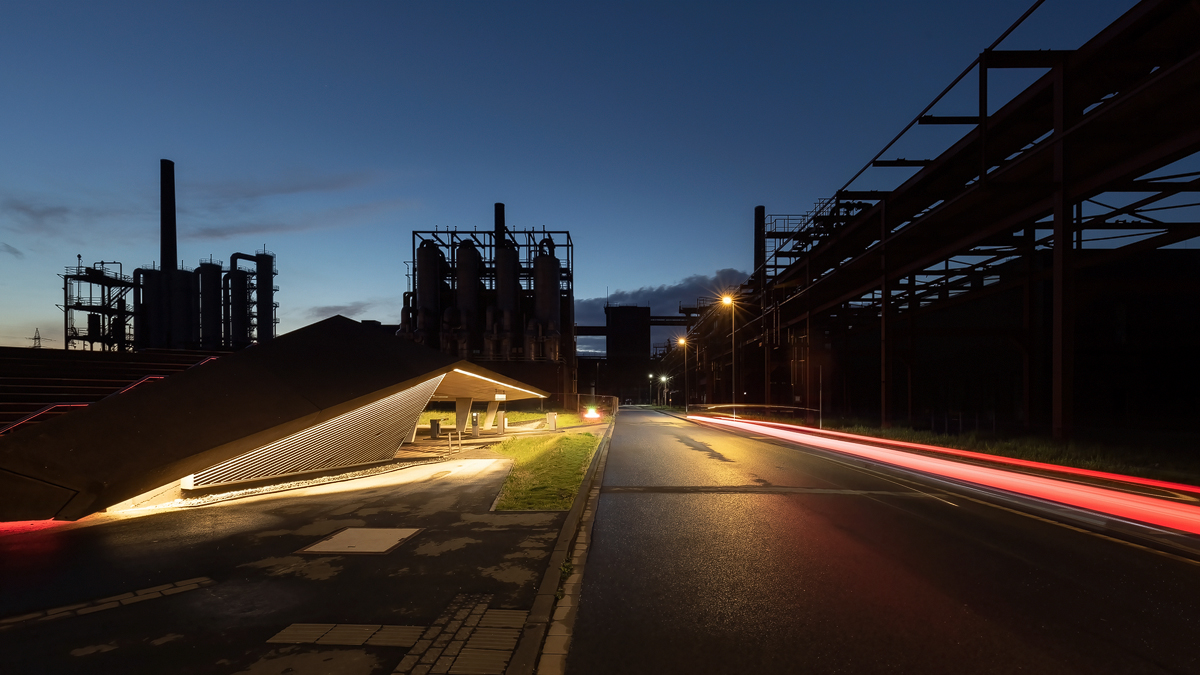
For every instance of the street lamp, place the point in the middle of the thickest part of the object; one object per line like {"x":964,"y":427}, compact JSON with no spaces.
{"x":683,"y":343}
{"x":728,"y":300}
{"x":662,"y":393}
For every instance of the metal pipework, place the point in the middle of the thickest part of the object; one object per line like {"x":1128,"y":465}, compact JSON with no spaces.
{"x":264,"y":276}
{"x":209,"y":275}
{"x":469,"y":276}
{"x":430,"y":261}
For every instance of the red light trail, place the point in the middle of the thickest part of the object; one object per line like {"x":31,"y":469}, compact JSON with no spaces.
{"x":1149,"y":482}
{"x":1136,"y":507}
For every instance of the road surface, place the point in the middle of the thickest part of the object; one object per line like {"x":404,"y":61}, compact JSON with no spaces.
{"x":714,"y":552}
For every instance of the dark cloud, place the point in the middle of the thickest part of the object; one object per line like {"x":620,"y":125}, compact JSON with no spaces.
{"x":5,"y":248}
{"x":34,"y":214}
{"x":216,"y":194}
{"x":24,"y":215}
{"x":349,"y":310}
{"x":662,"y":300}
{"x":225,"y":199}
{"x":589,"y":345}
{"x":241,"y":229}
{"x":319,"y":220}
{"x":197,"y":204}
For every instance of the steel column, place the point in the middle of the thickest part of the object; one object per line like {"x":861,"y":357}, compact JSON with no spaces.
{"x":884,"y":304}
{"x":1063,"y":343}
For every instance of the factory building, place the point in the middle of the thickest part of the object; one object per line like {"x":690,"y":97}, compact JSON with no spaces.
{"x":504,"y":298}
{"x":169,"y":305}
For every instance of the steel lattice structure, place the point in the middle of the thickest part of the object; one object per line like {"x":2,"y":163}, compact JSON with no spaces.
{"x":1075,"y":180}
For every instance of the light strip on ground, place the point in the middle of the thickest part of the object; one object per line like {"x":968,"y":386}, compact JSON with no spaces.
{"x":1137,"y":480}
{"x":23,"y":526}
{"x":502,"y":384}
{"x":1102,"y":500}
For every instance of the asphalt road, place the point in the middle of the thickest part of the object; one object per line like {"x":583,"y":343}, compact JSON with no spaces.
{"x":714,"y":552}
{"x":259,"y":584}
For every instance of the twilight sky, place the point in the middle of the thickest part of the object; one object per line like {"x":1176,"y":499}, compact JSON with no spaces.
{"x":329,"y":131}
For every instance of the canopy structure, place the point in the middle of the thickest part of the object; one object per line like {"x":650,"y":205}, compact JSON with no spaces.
{"x":329,"y":395}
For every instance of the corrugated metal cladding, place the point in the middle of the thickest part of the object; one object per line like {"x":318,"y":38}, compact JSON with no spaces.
{"x":369,"y":434}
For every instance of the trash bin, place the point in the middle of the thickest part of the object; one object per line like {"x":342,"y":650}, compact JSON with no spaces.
{"x":435,"y":428}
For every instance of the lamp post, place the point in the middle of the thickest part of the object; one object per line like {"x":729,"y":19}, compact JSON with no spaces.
{"x":683,"y":343}
{"x":728,"y":300}
{"x":662,"y":393}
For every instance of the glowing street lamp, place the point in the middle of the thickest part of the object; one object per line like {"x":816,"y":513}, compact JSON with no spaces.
{"x":728,"y":300}
{"x":662,"y":393}
{"x":683,"y":343}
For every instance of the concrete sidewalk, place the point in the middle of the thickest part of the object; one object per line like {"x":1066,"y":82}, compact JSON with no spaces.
{"x":225,"y":588}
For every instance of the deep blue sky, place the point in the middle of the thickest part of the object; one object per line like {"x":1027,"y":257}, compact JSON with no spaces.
{"x":329,"y":131}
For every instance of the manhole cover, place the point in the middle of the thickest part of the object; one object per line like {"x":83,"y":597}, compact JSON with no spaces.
{"x":362,"y":540}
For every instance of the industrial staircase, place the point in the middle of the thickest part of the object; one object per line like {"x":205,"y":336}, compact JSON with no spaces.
{"x":40,"y":384}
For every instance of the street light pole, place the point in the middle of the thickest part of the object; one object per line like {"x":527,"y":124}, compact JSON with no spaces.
{"x":683,"y":343}
{"x":728,"y":300}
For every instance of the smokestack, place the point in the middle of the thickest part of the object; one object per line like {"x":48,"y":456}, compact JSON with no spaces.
{"x":170,"y":257}
{"x":500,"y":229}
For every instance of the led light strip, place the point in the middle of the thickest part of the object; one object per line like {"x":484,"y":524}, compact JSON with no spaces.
{"x":1136,"y":507}
{"x":502,"y":384}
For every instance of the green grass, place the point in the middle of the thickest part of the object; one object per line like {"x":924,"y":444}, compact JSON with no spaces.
{"x":547,"y":471}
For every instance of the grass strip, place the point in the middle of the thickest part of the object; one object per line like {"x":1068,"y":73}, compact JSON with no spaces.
{"x":547,"y":471}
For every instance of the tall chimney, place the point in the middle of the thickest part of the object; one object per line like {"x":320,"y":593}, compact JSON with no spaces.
{"x":170,"y":257}
{"x":500,"y":238}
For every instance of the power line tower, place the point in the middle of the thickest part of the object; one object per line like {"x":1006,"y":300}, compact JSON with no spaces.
{"x":37,"y":338}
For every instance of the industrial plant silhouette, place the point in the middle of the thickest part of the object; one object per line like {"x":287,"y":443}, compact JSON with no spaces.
{"x":173,"y":307}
